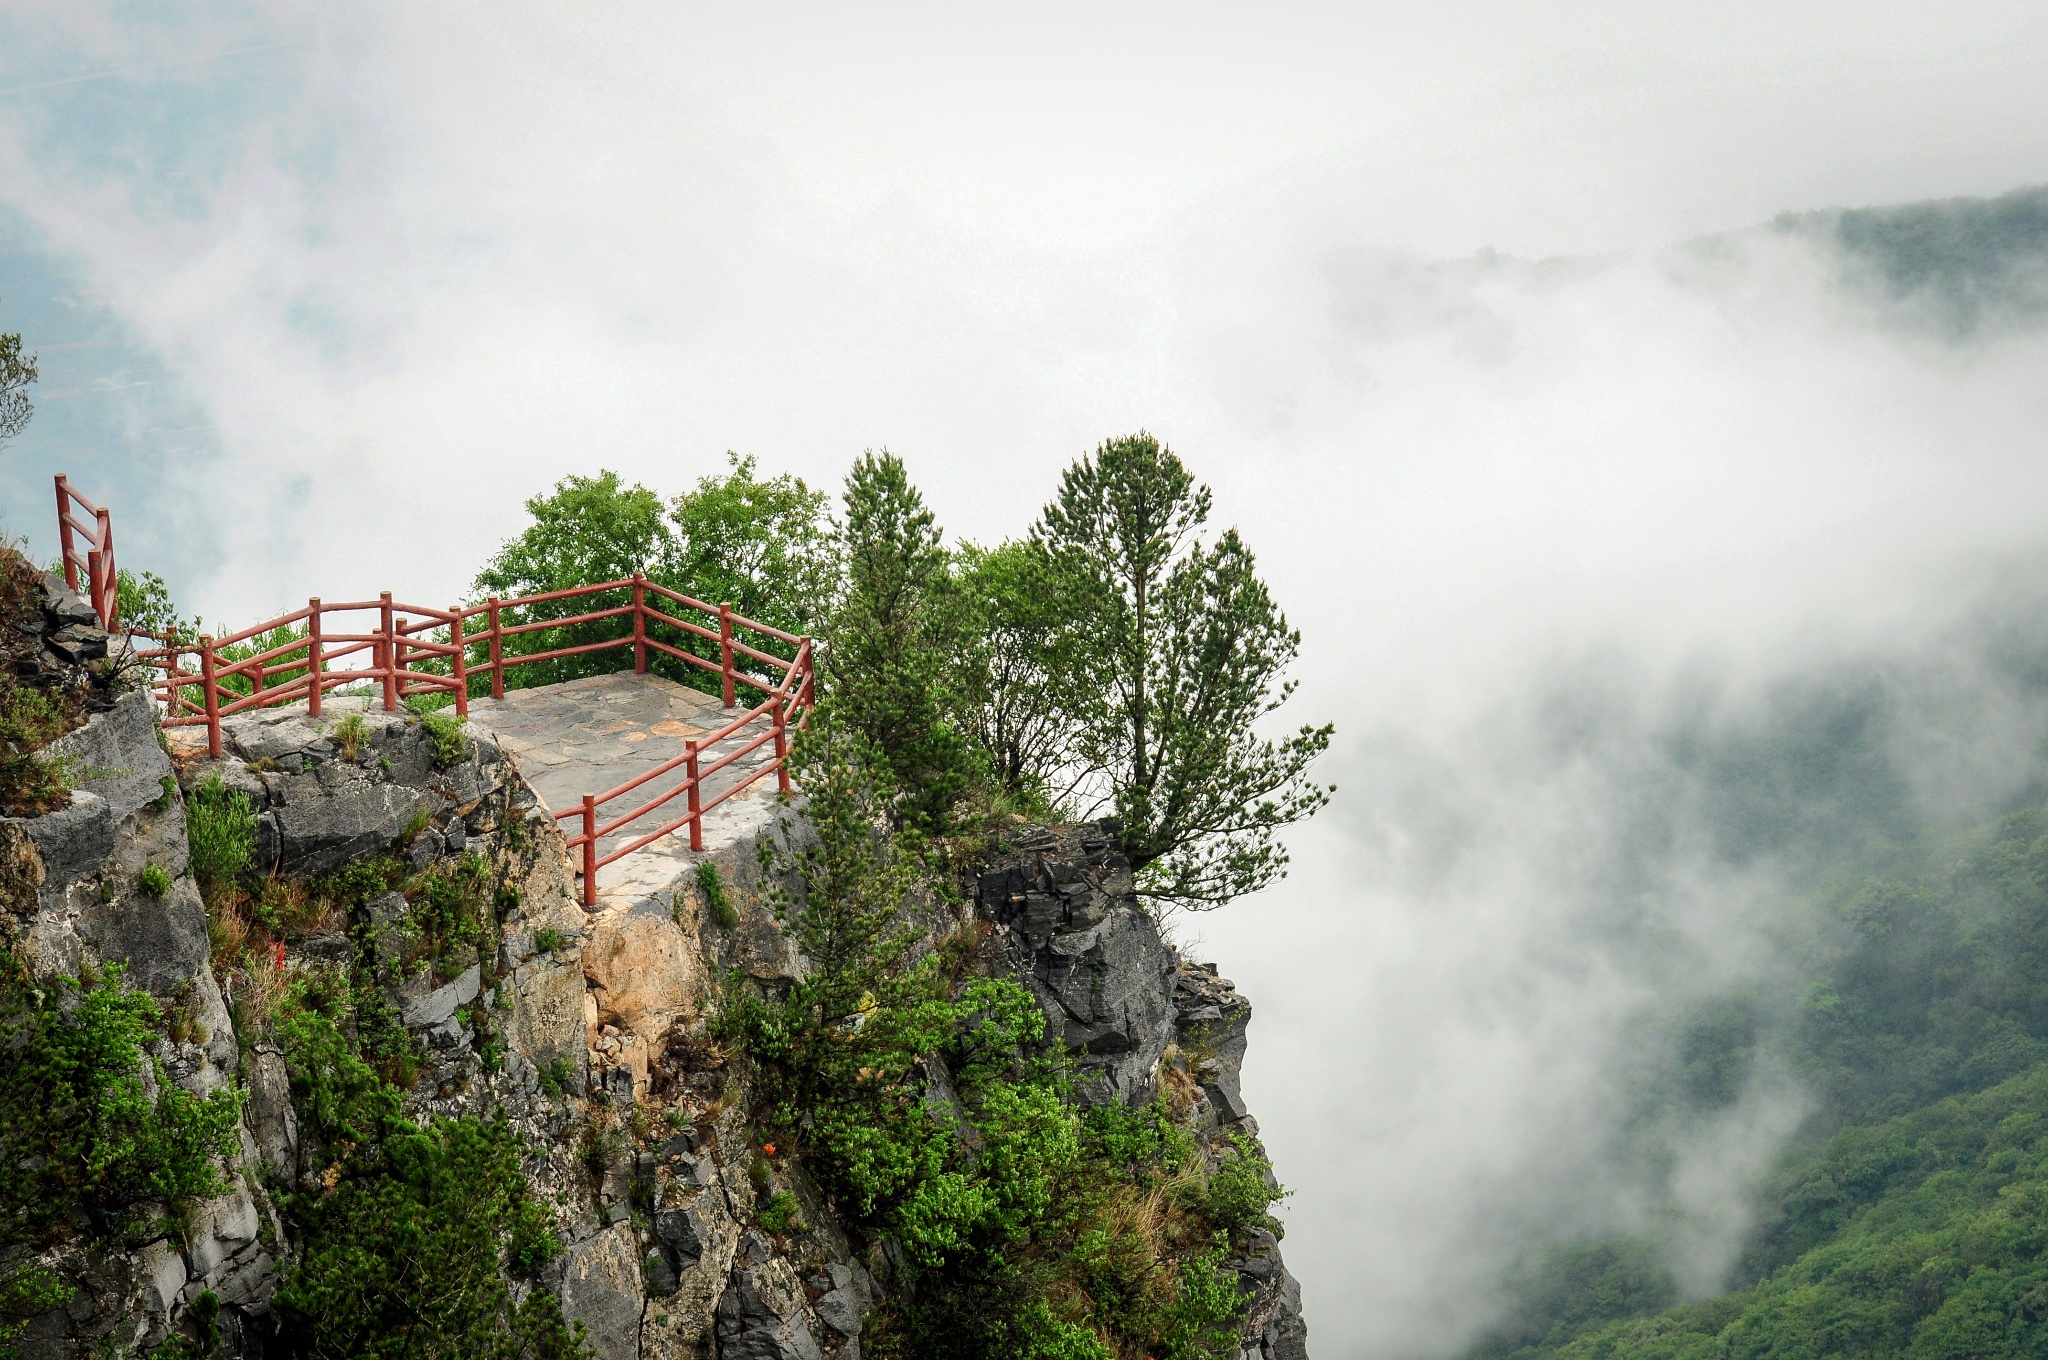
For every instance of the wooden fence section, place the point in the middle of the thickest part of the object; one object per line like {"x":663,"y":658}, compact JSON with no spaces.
{"x":405,"y":650}
{"x":89,"y":545}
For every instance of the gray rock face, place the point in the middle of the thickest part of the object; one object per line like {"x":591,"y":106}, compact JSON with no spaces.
{"x":1210,"y":1018}
{"x":1121,"y":1001}
{"x":761,"y":1313}
{"x":72,"y":843}
{"x":601,"y":1289}
{"x":269,"y":1112}
{"x":162,"y":940}
{"x":1092,"y":957}
{"x":441,"y":1004}
{"x":320,"y":835}
{"x":844,"y":1293}
{"x":117,"y":754}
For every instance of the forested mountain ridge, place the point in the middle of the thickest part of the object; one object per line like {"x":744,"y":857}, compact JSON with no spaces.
{"x":1912,"y":1220}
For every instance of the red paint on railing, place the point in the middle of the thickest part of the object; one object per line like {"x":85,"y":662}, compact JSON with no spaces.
{"x":303,"y":669}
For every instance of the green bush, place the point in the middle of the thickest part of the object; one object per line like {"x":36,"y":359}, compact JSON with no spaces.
{"x":783,"y":1215}
{"x":547,"y":939}
{"x":81,"y":1131}
{"x":712,"y":885}
{"x":220,"y":827}
{"x":30,"y":719}
{"x":1032,"y":1230}
{"x":556,"y":1077}
{"x":1241,"y":1190}
{"x":154,"y":880}
{"x":451,"y":743}
{"x":410,"y":1247}
{"x":450,"y":912}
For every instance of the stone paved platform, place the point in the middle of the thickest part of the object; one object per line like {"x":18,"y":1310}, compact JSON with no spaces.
{"x":590,"y":735}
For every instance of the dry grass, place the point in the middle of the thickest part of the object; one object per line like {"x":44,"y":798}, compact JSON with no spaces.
{"x":1176,"y":1083}
{"x":227,"y":928}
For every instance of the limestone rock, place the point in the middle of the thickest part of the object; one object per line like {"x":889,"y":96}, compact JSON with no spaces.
{"x":647,"y":972}
{"x":440,"y":1004}
{"x":269,"y":1112}
{"x":118,"y":754}
{"x":601,"y":1289}
{"x":320,"y":835}
{"x":1092,"y":956}
{"x":72,"y":842}
{"x":761,"y":1313}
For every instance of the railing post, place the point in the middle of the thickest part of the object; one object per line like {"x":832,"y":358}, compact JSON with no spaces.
{"x":696,"y":795}
{"x":110,"y":575}
{"x":639,"y":624}
{"x":211,"y":689}
{"x":313,"y":656}
{"x":64,"y":531}
{"x":390,"y":658}
{"x":782,"y":744}
{"x":725,"y":649}
{"x":589,"y":849}
{"x":461,"y":659}
{"x":804,"y":693}
{"x":497,"y":653}
{"x":92,"y":583}
{"x":256,"y":672}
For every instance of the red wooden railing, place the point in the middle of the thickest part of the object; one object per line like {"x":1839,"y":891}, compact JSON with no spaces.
{"x":96,"y":539}
{"x":385,"y":650}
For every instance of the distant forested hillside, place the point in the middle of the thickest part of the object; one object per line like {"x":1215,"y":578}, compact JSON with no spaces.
{"x":1913,"y":1221}
{"x":1965,"y":264}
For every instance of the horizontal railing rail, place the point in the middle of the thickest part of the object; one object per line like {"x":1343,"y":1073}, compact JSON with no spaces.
{"x":406,"y":650}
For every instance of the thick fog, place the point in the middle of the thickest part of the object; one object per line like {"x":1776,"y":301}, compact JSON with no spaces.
{"x":1586,"y":518}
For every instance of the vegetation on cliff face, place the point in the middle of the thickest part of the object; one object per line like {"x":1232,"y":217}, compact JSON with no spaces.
{"x":928,"y":1104}
{"x":96,"y":1139}
{"x":1916,"y":1223}
{"x":411,"y":1245}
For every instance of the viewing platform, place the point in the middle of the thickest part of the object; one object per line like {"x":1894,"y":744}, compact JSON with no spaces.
{"x":606,"y":730}
{"x":644,"y":773}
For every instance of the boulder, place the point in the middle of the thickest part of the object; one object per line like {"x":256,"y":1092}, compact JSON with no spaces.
{"x":440,"y":1004}
{"x":761,"y":1313}
{"x":320,"y":835}
{"x":72,"y":843}
{"x":272,"y":1121}
{"x":162,"y":939}
{"x":117,"y":754}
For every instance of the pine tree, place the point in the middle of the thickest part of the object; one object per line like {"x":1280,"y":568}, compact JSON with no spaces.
{"x":887,"y":657}
{"x":1175,"y":652}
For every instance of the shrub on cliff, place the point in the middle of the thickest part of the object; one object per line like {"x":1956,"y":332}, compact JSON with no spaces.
{"x":410,"y":1244}
{"x":90,"y":1125}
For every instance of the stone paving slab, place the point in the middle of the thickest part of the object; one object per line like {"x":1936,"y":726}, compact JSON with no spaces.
{"x":590,"y":735}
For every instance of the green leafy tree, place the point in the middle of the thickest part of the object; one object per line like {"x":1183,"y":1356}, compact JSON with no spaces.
{"x":889,"y":642}
{"x":759,"y":545}
{"x":1175,"y":654}
{"x":17,"y":374}
{"x":411,"y":1247}
{"x":588,"y":530}
{"x":1003,"y":683}
{"x":762,"y":546}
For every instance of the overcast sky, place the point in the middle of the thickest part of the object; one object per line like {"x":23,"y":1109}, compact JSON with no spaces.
{"x":323,"y":293}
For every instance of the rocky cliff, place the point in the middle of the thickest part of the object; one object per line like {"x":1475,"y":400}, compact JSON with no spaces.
{"x":585,"y":1031}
